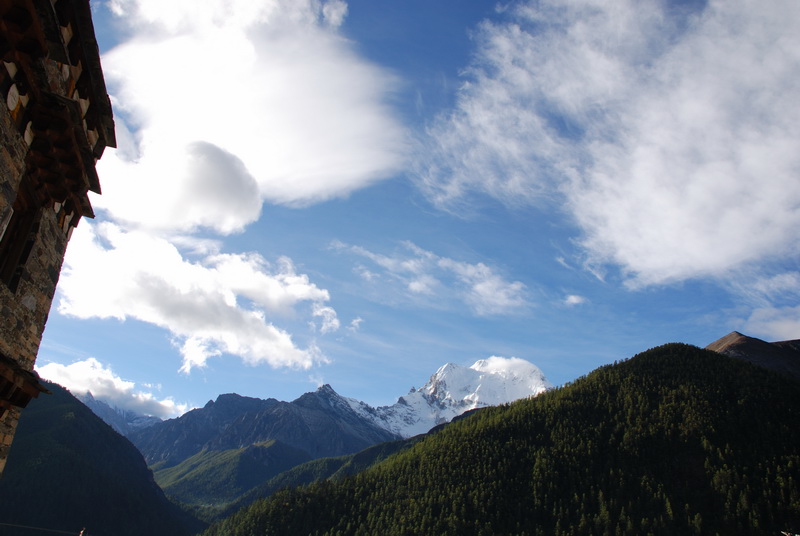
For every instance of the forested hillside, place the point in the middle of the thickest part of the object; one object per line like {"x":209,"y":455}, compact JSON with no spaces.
{"x":312,"y":471}
{"x":676,"y":440}
{"x":210,"y":480}
{"x":69,"y":470}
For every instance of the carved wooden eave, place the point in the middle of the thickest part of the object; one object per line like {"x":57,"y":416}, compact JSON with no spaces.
{"x":60,"y":155}
{"x":53,"y":85}
{"x":90,"y":56}
{"x":17,"y":385}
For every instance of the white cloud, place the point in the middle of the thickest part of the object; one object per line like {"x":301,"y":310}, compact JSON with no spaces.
{"x":330,"y":322}
{"x":317,"y":380}
{"x":429,"y":278}
{"x":220,"y":106}
{"x":223,"y":104}
{"x":486,"y":292}
{"x":221,"y":303}
{"x":775,"y":323}
{"x":355,"y":324}
{"x":772,"y":301}
{"x":671,"y":135}
{"x":782,"y":288}
{"x":364,"y":273}
{"x":574,"y":299}
{"x":90,"y":375}
{"x":334,"y":12}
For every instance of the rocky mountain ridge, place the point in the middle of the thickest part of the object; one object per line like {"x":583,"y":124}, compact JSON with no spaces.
{"x":324,"y":423}
{"x":780,"y":356}
{"x":123,"y":421}
{"x":319,"y":423}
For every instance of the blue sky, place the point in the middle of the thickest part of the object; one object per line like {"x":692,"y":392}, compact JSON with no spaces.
{"x":357,"y":193}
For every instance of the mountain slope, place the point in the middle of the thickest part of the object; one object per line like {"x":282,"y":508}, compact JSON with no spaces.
{"x":676,"y":440}
{"x":317,"y":470}
{"x":325,"y":424}
{"x":68,"y":470}
{"x":454,"y":390}
{"x":218,"y":477}
{"x":782,"y":356}
{"x":322,"y":469}
{"x":123,"y":421}
{"x":320,"y":423}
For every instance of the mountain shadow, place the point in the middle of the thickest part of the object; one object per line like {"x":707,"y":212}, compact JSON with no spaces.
{"x":68,"y":470}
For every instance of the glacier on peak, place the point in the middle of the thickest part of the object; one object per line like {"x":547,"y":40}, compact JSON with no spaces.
{"x":455,"y":389}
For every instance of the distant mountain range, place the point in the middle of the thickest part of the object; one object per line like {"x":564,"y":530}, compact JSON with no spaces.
{"x":215,"y":459}
{"x":676,"y":440}
{"x":123,"y":421}
{"x":200,"y":457}
{"x":450,"y":391}
{"x":323,"y":423}
{"x":320,"y":423}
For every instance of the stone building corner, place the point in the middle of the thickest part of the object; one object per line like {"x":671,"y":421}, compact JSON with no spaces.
{"x":55,"y":123}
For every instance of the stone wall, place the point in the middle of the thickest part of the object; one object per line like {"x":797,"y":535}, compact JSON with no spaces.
{"x":25,"y":311}
{"x":8,"y":426}
{"x":55,"y":122}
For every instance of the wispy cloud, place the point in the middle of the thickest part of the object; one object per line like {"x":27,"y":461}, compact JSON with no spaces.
{"x":327,"y":315}
{"x":429,"y":279}
{"x":775,"y":323}
{"x":774,"y":313}
{"x":355,"y":324}
{"x":574,"y":299}
{"x":669,"y":133}
{"x":90,"y":375}
{"x":220,"y":303}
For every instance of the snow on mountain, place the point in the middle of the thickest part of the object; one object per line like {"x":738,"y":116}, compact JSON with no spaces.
{"x":123,"y":421}
{"x":455,"y":389}
{"x":451,"y":391}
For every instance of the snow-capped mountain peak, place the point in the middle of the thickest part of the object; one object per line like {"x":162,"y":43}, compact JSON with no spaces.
{"x":455,"y":389}
{"x":487,"y":382}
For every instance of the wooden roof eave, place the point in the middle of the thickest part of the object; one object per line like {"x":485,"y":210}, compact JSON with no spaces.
{"x":81,"y":176}
{"x":17,"y":385}
{"x":91,"y":51}
{"x":72,"y":111}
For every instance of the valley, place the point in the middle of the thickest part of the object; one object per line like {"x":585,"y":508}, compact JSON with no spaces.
{"x":673,"y":440}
